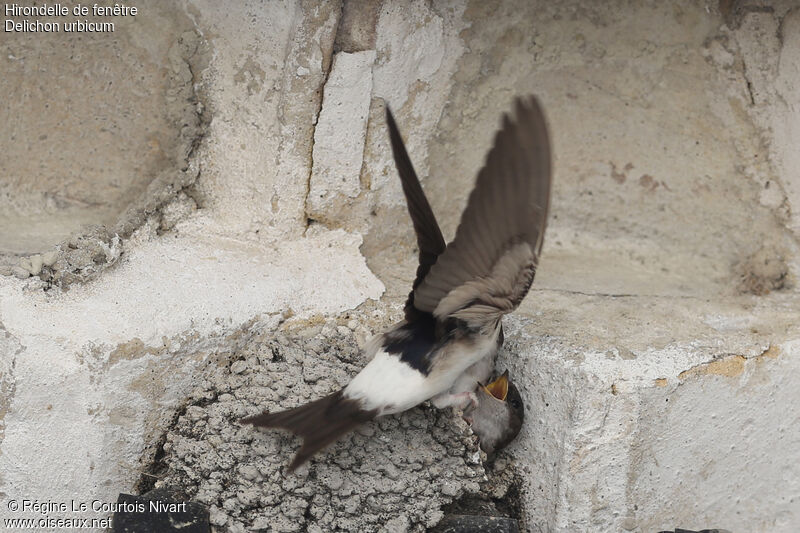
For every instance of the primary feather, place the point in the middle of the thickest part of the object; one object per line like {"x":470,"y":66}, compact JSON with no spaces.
{"x":487,"y":269}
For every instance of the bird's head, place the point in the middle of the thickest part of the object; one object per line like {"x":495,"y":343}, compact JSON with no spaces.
{"x":498,"y":416}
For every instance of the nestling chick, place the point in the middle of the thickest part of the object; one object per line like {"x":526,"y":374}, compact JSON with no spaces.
{"x":497,"y":414}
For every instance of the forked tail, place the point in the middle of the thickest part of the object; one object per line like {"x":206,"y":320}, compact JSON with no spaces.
{"x":320,"y":422}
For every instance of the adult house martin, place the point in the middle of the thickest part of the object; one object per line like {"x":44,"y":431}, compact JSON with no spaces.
{"x":452,"y":327}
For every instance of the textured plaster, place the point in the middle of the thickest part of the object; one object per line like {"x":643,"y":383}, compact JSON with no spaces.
{"x":78,"y":86}
{"x":100,"y":368}
{"x":339,"y":135}
{"x":264,"y":83}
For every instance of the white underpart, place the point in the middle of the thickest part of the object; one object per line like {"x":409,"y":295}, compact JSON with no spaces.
{"x":389,"y":385}
{"x":392,"y":386}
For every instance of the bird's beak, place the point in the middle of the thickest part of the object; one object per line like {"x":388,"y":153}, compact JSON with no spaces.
{"x":499,"y":387}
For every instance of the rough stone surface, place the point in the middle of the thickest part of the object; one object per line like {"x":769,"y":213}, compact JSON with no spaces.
{"x":356,"y":31}
{"x":339,"y":137}
{"x":84,"y":255}
{"x":402,"y":468}
{"x":477,"y":524}
{"x":266,"y":79}
{"x":101,"y":369}
{"x":136,"y":162}
{"x":105,"y":113}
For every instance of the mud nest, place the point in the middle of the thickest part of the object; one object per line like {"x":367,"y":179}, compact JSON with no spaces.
{"x":393,"y":474}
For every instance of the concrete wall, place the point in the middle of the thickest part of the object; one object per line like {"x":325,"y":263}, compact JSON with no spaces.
{"x":238,"y":160}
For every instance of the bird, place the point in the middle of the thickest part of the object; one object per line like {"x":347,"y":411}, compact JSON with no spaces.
{"x":445,"y":346}
{"x":496,"y":415}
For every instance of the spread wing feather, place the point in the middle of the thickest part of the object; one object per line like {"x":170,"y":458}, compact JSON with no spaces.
{"x":429,"y":237}
{"x":488,"y":268}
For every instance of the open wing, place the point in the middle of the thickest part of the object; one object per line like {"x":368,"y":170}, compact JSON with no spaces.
{"x":488,"y":268}
{"x":429,"y":237}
